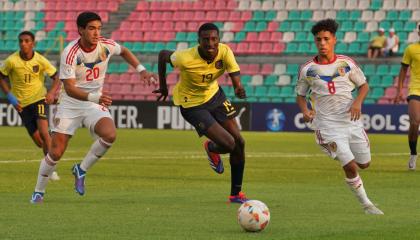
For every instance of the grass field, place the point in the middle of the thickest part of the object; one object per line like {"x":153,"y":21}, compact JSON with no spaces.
{"x":158,"y":185}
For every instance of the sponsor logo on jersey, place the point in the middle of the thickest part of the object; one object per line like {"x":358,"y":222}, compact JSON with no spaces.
{"x":35,"y":68}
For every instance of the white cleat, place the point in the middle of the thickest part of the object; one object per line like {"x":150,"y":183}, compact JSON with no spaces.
{"x":412,"y":162}
{"x":54,"y":176}
{"x":372,"y":209}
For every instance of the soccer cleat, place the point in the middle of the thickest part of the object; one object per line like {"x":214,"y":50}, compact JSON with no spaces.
{"x":215,"y":160}
{"x":54,"y":176}
{"x":412,"y":162}
{"x":372,"y":209}
{"x":240,"y":198}
{"x":79,"y":179}
{"x":37,"y":198}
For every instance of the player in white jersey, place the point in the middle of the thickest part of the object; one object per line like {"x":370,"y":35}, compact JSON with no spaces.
{"x":335,"y":115}
{"x":82,"y":70}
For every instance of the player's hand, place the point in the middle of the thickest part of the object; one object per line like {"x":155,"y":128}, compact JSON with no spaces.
{"x":240,"y":92}
{"x":163,"y":93}
{"x":355,"y":111}
{"x":49,"y":98}
{"x":309,"y":115}
{"x":105,"y":100}
{"x":148,"y":78}
{"x":399,"y":98}
{"x":13,"y":100}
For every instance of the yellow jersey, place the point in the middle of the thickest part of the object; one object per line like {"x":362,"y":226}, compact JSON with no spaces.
{"x":378,"y":41}
{"x":27,"y":77}
{"x":411,"y":57}
{"x":198,"y":78}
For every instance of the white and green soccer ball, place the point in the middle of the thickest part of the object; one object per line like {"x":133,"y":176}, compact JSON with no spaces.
{"x":253,"y":216}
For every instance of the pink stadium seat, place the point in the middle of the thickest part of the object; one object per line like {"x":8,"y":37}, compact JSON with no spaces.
{"x":147,"y":26}
{"x":167,"y":16}
{"x":222,"y":16}
{"x":168,"y":26}
{"x":71,"y":16}
{"x":70,"y":26}
{"x":188,"y":16}
{"x":246,"y":16}
{"x":156,"y":16}
{"x":242,"y":48}
{"x":238,"y":26}
{"x":125,"y":36}
{"x":125,"y":25}
{"x":199,"y":16}
{"x":232,"y":5}
{"x":89,"y":5}
{"x":137,"y":36}
{"x":178,"y":15}
{"x":133,"y":26}
{"x":60,"y":6}
{"x":267,"y":68}
{"x":104,"y":16}
{"x":50,"y":25}
{"x":155,"y":5}
{"x":384,"y":101}
{"x":244,"y":68}
{"x":278,"y":48}
{"x":142,"y":6}
{"x":273,"y":26}
{"x":192,"y":26}
{"x":168,"y":36}
{"x":180,"y":26}
{"x":112,"y":6}
{"x":158,"y":36}
{"x":134,"y":79}
{"x":166,"y":6}
{"x":72,"y":35}
{"x":232,"y":46}
{"x":235,"y":16}
{"x":266,"y":48}
{"x":276,"y":36}
{"x":251,"y":37}
{"x":264,"y":36}
{"x":157,"y":26}
{"x":113,"y":78}
{"x":148,"y":36}
{"x":50,"y":6}
{"x":187,"y":5}
{"x":50,"y":16}
{"x":197,"y":6}
{"x":125,"y":78}
{"x":211,"y":16}
{"x":254,"y":68}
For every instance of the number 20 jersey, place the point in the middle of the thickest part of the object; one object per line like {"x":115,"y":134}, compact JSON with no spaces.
{"x":88,"y":68}
{"x":330,"y":86}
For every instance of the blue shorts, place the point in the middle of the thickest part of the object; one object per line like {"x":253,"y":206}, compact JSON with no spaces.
{"x":217,"y":109}
{"x":31,"y":113}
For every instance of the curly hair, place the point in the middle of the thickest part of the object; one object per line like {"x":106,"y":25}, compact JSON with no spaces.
{"x":329,"y":25}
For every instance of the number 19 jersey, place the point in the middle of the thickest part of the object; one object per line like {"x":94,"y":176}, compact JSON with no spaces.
{"x":87,"y":67}
{"x":331,"y":87}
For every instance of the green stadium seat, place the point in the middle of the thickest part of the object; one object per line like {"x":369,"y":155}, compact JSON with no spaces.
{"x":374,"y":81}
{"x":375,"y":5}
{"x":359,"y":26}
{"x":369,"y":69}
{"x":20,"y":15}
{"x":405,"y":15}
{"x":294,"y":15}
{"x":398,"y":25}
{"x":261,"y":26}
{"x":304,"y":48}
{"x":290,"y":100}
{"x":1,"y":48}
{"x":355,"y":15}
{"x":159,"y":46}
{"x":369,"y":101}
{"x":148,"y":46}
{"x":363,"y":37}
{"x":40,"y":25}
{"x":341,"y":48}
{"x":249,"y":26}
{"x":339,"y":35}
{"x":270,"y":15}
{"x":387,"y":81}
{"x":291,"y":48}
{"x":148,"y":66}
{"x":392,"y":15}
{"x":59,"y":25}
{"x":307,"y":27}
{"x":346,"y":26}
{"x":382,"y":70}
{"x":292,"y":69}
{"x":122,"y":67}
{"x":260,"y":91}
{"x":284,"y":26}
{"x":286,"y":92}
{"x":41,"y":46}
{"x":354,"y":48}
{"x":228,"y":90}
{"x":170,"y":46}
{"x":252,"y":99}
{"x":181,"y":37}
{"x":39,"y":16}
{"x":113,"y":68}
{"x":273,"y":91}
{"x":385,"y":24}
{"x":11,"y":45}
{"x":301,"y":37}
{"x":246,"y":80}
{"x":276,"y":100}
{"x":409,"y":26}
{"x":270,"y":80}
{"x":249,"y":91}
{"x":239,"y":36}
{"x":377,"y":93}
{"x":264,"y":99}
{"x":137,"y":47}
{"x":258,"y":16}
{"x":394,"y":69}
{"x":296,"y":26}
{"x":342,"y":15}
{"x":128,"y":45}
{"x":306,"y":15}
{"x":191,"y":37}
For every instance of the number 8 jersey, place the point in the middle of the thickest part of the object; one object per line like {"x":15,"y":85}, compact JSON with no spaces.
{"x":87,"y":67}
{"x":330,"y":87}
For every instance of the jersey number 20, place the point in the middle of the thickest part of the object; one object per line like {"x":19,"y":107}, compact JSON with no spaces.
{"x":92,"y":74}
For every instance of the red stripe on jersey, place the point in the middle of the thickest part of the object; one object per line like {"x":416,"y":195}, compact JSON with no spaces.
{"x":304,"y":65}
{"x":108,"y":41}
{"x":74,"y":54}
{"x":72,"y":49}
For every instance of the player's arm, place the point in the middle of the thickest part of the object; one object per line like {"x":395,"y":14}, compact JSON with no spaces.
{"x":4,"y":85}
{"x":50,"y":97}
{"x":164,"y":58}
{"x":73,"y":91}
{"x":308,"y":114}
{"x":237,"y":85}
{"x":356,"y":108}
{"x":131,"y":59}
{"x":401,"y":77}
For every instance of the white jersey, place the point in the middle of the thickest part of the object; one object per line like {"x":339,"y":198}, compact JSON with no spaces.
{"x":330,"y":86}
{"x":88,"y":68}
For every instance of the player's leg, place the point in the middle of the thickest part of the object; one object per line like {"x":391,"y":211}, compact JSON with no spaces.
{"x":237,"y":161}
{"x":413,"y":131}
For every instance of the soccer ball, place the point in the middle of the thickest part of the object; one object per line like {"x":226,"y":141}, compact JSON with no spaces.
{"x":253,"y":215}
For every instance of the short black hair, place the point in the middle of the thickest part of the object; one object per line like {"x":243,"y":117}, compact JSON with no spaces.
{"x":329,"y":25}
{"x":85,"y":17}
{"x":206,"y":27}
{"x":30,"y":34}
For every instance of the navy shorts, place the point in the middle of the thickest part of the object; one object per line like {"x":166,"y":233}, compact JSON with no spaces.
{"x":217,"y":109}
{"x":413,"y":97}
{"x":31,"y":113}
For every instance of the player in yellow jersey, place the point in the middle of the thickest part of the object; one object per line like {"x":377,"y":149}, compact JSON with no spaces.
{"x":25,"y":70}
{"x":203,"y":103}
{"x":411,"y":59}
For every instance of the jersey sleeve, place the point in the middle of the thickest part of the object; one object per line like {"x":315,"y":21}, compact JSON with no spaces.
{"x":302,"y":85}
{"x":231,"y":64}
{"x":6,"y":67}
{"x":175,"y":59}
{"x":48,"y":67}
{"x":67,"y":65}
{"x":407,"y":56}
{"x":356,"y":75}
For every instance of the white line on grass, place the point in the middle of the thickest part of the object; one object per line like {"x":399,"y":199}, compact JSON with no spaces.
{"x":172,"y":155}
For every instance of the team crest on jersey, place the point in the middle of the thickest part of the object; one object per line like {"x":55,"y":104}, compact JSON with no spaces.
{"x":219,"y":64}
{"x":342,"y":71}
{"x":332,"y":146}
{"x":56,"y":121}
{"x":35,"y":68}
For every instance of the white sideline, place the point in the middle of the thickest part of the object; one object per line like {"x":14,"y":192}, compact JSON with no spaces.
{"x":172,"y":155}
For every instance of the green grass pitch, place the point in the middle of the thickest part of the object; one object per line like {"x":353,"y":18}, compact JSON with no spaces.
{"x":158,"y":185}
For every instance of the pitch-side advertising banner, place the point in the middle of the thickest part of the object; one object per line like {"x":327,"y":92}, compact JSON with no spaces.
{"x":287,"y":117}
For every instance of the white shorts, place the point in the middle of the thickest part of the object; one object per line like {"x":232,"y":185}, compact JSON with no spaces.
{"x":67,"y":121}
{"x":345,"y":144}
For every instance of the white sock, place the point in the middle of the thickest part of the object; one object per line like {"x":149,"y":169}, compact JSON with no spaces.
{"x":356,"y":185}
{"x":46,"y":168}
{"x":97,"y":150}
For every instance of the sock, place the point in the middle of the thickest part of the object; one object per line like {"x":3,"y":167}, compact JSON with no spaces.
{"x":46,"y":168}
{"x":237,"y":172}
{"x":213,"y":147}
{"x":97,"y":150}
{"x":356,"y":185}
{"x":413,"y":147}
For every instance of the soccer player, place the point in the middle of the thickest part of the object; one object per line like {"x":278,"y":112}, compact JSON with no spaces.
{"x":82,"y":70}
{"x":26,"y":71}
{"x":410,"y":59}
{"x":336,"y":115}
{"x":203,"y":103}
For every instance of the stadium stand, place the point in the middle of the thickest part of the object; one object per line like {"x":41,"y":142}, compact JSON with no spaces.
{"x":268,"y":29}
